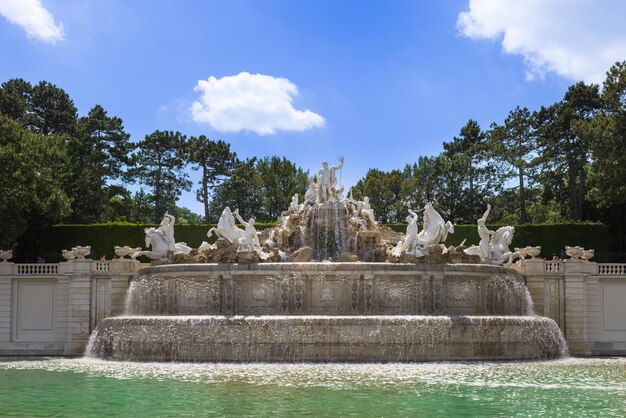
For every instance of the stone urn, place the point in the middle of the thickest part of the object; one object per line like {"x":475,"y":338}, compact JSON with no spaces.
{"x":122,"y":252}
{"x":574,"y":252}
{"x":522,"y":251}
{"x":82,"y":252}
{"x":533,"y":252}
{"x":6,"y":255}
{"x":587,"y":255}
{"x":69,"y":255}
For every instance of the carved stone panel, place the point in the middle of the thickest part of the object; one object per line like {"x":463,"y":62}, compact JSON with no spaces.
{"x":461,"y":296}
{"x":395,"y":294}
{"x":328,"y":294}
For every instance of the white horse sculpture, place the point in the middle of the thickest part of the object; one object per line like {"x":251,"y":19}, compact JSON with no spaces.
{"x":226,"y":227}
{"x":499,"y":252}
{"x":156,"y":241}
{"x":435,"y":230}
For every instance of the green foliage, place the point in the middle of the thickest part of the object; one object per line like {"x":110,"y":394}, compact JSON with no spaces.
{"x":281,"y":179}
{"x":512,"y":146}
{"x":215,"y":161}
{"x":99,"y":153}
{"x":564,"y":153}
{"x":33,"y":168}
{"x":384,"y":190}
{"x":159,"y":163}
{"x":243,"y":190}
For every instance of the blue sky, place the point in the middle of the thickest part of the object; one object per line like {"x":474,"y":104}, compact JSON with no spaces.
{"x":378,"y":82}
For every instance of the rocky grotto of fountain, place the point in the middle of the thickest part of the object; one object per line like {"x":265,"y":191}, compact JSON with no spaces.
{"x":328,"y":284}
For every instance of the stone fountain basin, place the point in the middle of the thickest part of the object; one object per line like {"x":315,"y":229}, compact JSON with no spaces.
{"x":323,"y":338}
{"x":328,"y":289}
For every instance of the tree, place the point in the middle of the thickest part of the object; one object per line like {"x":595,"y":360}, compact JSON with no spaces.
{"x":606,"y":135}
{"x":215,"y":160}
{"x":100,"y":154}
{"x":281,"y":180}
{"x":53,"y":112}
{"x":243,"y":190}
{"x":142,"y":208}
{"x":513,"y":146}
{"x":16,"y":97}
{"x":185,"y":216}
{"x":449,"y":198}
{"x":34,"y":171}
{"x":565,"y":154}
{"x":419,"y":184}
{"x":158,"y":163}
{"x":469,"y":152}
{"x":383,"y":189}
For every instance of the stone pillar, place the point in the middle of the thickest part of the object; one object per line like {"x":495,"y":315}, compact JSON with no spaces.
{"x":6,"y":269}
{"x":575,"y":272}
{"x":79,"y":273}
{"x":546,"y":287}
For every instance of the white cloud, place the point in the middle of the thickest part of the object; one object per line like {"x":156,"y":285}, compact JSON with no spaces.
{"x":578,"y":40}
{"x":33,"y":18}
{"x":252,"y":102}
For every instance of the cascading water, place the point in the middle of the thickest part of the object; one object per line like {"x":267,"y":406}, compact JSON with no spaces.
{"x":325,"y":231}
{"x":327,"y":312}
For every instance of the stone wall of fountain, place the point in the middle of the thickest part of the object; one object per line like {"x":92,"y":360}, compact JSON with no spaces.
{"x":327,"y":312}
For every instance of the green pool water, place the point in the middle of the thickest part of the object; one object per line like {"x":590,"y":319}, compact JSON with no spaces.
{"x":83,"y":388}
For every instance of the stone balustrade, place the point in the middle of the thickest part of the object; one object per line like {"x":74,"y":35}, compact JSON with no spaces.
{"x":611,"y":269}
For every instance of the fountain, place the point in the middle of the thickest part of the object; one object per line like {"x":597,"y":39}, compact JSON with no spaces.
{"x":327,"y":284}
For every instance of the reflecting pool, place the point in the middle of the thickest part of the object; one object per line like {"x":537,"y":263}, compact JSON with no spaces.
{"x":86,"y":387}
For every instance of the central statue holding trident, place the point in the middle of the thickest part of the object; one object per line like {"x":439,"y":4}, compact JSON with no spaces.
{"x":327,"y":182}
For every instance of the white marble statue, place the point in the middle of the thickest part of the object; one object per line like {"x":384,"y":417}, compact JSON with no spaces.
{"x":485,"y":234}
{"x":410,"y":244}
{"x":161,"y":241}
{"x":294,"y":206}
{"x":226,"y":228}
{"x":327,"y":182}
{"x":166,"y":230}
{"x":249,"y":242}
{"x":494,"y":245}
{"x":435,"y":229}
{"x":310,"y":197}
{"x":364,"y":210}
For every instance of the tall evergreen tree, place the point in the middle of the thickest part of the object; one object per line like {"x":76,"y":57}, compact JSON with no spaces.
{"x":513,"y":146}
{"x":281,"y":180}
{"x":53,"y":112}
{"x":101,"y":151}
{"x":565,"y":154}
{"x":243,"y":190}
{"x":215,"y":161}
{"x":159,"y":163}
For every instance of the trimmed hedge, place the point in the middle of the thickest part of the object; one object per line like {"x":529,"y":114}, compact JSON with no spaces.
{"x":103,"y":237}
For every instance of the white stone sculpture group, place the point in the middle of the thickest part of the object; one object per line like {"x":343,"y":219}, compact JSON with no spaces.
{"x":494,"y":245}
{"x":161,"y":241}
{"x":435,"y":231}
{"x":247,"y":239}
